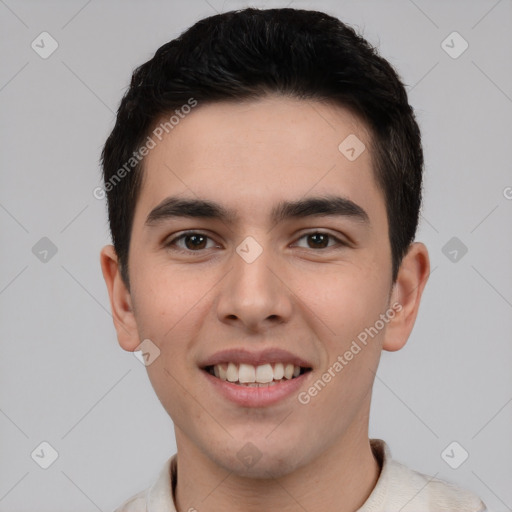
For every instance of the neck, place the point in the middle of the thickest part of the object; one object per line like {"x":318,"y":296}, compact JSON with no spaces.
{"x":341,"y":478}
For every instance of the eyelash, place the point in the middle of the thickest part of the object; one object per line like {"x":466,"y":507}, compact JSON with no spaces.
{"x":172,"y":242}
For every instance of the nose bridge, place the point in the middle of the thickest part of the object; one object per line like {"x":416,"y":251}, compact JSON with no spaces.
{"x":252,"y":293}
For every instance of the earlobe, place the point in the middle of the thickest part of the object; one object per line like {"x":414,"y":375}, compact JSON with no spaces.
{"x":120,"y":300}
{"x":407,"y":291}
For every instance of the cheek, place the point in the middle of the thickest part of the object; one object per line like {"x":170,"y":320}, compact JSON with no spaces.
{"x":347,"y":299}
{"x":162,"y":300}
{"x":171,"y":390}
{"x":170,"y":309}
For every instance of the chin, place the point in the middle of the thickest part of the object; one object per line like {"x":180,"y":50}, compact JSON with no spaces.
{"x":260,"y":459}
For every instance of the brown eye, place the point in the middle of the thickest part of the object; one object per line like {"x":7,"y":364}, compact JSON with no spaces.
{"x":189,"y":242}
{"x":196,"y":241}
{"x":320,"y":240}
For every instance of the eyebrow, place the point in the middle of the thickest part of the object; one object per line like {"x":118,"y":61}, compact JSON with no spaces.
{"x":176,"y":207}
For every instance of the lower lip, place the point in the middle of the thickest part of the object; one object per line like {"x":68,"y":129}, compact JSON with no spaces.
{"x":246,"y":396}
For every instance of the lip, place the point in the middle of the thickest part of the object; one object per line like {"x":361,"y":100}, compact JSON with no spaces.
{"x":270,"y":355}
{"x":245,"y":396}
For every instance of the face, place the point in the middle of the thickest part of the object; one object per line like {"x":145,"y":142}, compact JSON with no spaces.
{"x":244,"y":295}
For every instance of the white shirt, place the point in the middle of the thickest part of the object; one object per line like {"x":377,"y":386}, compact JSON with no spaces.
{"x":398,"y":489}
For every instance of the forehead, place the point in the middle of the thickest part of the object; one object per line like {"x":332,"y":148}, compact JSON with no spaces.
{"x":253,"y":154}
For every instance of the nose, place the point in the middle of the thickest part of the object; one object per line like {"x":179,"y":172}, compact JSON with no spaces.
{"x":254,"y":295}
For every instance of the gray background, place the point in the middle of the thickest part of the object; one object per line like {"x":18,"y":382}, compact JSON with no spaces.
{"x":64,"y":379}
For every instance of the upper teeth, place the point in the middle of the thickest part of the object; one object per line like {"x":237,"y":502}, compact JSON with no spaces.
{"x":247,"y":373}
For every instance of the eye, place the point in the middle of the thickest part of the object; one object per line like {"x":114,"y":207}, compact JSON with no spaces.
{"x":192,"y":241}
{"x":320,"y":239}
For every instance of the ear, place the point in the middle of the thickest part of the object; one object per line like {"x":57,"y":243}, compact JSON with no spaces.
{"x":406,"y":294}
{"x":120,"y":300}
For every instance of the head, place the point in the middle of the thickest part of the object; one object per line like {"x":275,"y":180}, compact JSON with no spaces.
{"x":256,"y":123}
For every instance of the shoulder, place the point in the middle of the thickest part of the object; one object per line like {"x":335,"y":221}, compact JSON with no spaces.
{"x":136,"y":503}
{"x":158,"y":497}
{"x":416,"y":491}
{"x":402,"y":488}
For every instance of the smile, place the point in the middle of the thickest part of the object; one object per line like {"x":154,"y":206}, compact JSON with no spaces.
{"x":264,"y":375}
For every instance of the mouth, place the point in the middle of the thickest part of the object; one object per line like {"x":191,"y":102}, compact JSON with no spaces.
{"x":256,"y":379}
{"x":260,"y":376}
